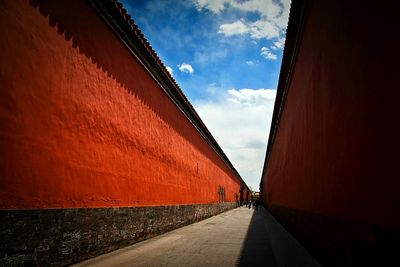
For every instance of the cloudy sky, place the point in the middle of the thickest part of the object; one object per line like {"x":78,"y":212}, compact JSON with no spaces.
{"x":225,"y":55}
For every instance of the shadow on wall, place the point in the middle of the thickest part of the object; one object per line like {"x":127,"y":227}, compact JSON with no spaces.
{"x":339,"y":242}
{"x":77,"y":21}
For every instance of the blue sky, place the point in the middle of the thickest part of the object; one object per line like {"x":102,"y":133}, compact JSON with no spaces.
{"x":225,"y":55}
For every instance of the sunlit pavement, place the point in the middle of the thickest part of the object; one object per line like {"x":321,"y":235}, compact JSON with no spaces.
{"x":239,"y":237}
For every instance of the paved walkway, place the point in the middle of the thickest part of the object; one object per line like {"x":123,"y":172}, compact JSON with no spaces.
{"x":239,"y":237}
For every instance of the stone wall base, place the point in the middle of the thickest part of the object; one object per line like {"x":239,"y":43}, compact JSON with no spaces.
{"x":49,"y":237}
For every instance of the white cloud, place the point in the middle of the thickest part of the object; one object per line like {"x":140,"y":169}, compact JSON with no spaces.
{"x":237,"y":27}
{"x":263,"y":29}
{"x":272,"y":21}
{"x":186,"y":68}
{"x":279,"y":44}
{"x":169,"y":69}
{"x":250,"y":97}
{"x":265,"y":52}
{"x":249,"y":112}
{"x":282,"y":19}
{"x":215,"y":6}
{"x":266,"y":8}
{"x":257,"y":30}
{"x":252,"y":63}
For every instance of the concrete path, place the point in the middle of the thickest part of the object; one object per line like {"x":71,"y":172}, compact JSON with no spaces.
{"x":239,"y":237}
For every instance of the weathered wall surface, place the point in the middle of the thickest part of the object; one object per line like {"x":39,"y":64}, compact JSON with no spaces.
{"x":332,"y":176}
{"x":84,"y":125}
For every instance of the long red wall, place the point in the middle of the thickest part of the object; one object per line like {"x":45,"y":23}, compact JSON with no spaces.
{"x":83,"y":124}
{"x":337,"y":146}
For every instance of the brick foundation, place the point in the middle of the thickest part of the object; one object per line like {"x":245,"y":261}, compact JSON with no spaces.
{"x":64,"y":236}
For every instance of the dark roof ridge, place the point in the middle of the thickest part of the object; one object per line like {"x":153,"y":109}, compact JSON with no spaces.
{"x":297,"y":16}
{"x":151,"y":51}
{"x":144,"y":41}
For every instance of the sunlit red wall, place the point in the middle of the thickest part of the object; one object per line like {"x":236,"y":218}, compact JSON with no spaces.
{"x":83,"y":124}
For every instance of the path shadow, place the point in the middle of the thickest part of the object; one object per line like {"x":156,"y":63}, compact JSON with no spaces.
{"x":256,"y":249}
{"x":267,"y":243}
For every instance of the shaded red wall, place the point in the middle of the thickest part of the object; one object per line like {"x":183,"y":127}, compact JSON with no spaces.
{"x":332,"y":179}
{"x":336,"y":149}
{"x":84,"y":125}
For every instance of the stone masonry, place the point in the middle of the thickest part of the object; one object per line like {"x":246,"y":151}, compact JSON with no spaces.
{"x":64,"y":236}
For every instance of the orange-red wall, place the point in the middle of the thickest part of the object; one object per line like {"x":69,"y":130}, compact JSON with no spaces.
{"x":84,"y":125}
{"x":337,"y":145}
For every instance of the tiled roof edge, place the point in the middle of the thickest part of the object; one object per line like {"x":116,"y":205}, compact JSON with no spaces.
{"x":117,"y":18}
{"x":298,"y":10}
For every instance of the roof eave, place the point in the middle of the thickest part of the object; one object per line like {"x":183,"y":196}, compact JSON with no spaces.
{"x":297,"y":16}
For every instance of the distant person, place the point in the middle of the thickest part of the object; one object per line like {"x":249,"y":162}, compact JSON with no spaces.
{"x":236,"y":200}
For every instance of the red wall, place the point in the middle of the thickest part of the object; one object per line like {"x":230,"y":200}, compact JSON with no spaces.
{"x":84,"y":125}
{"x":337,"y":145}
